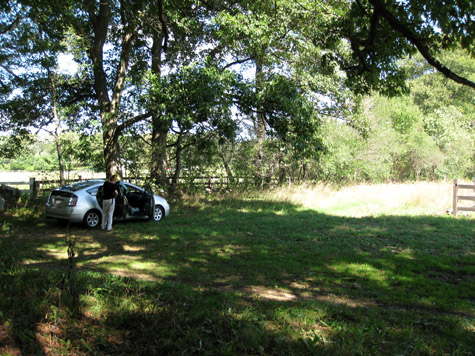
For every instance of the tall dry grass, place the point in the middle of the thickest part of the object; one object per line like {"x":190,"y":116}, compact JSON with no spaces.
{"x":418,"y":198}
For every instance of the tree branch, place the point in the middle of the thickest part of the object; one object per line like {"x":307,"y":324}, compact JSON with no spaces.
{"x":380,"y":7}
{"x":144,"y":140}
{"x":241,"y":61}
{"x":9,"y":71}
{"x":9,"y":27}
{"x":132,"y":121}
{"x":360,"y":5}
{"x":161,"y":17}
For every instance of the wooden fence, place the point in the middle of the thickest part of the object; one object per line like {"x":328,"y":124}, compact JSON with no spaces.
{"x":33,"y":186}
{"x":457,"y":197}
{"x":32,"y":183}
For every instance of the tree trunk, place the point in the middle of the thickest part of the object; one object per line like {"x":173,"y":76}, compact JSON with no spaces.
{"x":282,"y":171}
{"x":57,"y":132}
{"x":229,"y":173}
{"x":176,"y":175}
{"x":111,"y":145}
{"x":159,"y":154}
{"x":160,"y":127}
{"x":109,"y":107}
{"x":57,"y":139}
{"x":260,"y":127}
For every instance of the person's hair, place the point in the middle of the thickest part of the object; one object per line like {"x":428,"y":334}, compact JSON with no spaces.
{"x":115,"y":177}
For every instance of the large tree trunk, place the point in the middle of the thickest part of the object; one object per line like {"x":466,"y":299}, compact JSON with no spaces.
{"x":160,"y":127}
{"x":111,"y":145}
{"x":100,"y":24}
{"x":109,"y":107}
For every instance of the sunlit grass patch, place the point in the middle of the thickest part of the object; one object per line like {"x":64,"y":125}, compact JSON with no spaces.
{"x":130,"y":266}
{"x":54,"y":252}
{"x":361,"y":270}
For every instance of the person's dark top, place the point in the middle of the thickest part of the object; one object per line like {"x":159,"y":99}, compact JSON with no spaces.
{"x":109,"y":189}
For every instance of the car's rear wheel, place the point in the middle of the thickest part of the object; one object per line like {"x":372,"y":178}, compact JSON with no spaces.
{"x":158,"y":213}
{"x":92,"y":219}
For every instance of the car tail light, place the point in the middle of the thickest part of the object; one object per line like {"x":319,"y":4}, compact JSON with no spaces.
{"x":73,"y":200}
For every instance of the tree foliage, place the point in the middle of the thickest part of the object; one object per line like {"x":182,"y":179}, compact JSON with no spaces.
{"x":188,"y":78}
{"x":425,"y":26}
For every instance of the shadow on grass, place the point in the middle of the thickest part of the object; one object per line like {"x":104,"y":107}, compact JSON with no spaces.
{"x":248,"y":277}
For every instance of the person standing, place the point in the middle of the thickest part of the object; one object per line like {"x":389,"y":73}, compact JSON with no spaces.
{"x":108,"y":202}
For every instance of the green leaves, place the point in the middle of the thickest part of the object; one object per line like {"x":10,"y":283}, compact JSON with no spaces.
{"x":197,"y":97}
{"x":290,"y":115}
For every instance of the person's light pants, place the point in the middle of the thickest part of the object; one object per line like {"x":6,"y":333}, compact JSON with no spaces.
{"x":108,"y":206}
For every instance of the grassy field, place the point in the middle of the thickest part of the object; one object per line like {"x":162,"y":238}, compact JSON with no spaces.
{"x":364,"y":270}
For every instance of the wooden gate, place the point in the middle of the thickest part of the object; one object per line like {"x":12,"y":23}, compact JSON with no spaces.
{"x":457,"y":197}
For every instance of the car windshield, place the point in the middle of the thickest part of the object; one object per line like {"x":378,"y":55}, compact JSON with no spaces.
{"x":93,"y":191}
{"x":74,"y":187}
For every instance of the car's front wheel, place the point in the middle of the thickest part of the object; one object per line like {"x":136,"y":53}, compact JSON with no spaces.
{"x":92,"y":219}
{"x":158,"y":213}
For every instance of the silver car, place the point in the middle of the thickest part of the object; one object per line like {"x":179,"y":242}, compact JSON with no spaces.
{"x":81,"y":202}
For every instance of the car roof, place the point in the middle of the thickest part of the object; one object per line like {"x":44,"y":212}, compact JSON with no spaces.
{"x":74,"y":187}
{"x":84,"y":184}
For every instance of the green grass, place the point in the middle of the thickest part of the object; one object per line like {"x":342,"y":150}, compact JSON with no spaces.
{"x":230,"y":275}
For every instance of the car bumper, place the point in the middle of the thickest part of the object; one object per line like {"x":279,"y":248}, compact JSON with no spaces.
{"x":73,"y":215}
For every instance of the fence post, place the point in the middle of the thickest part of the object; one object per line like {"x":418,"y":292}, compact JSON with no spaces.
{"x":32,"y":187}
{"x":455,"y":198}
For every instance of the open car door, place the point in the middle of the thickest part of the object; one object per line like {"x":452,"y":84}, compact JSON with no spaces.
{"x":100,"y":195}
{"x":121,"y":202}
{"x":149,"y":205}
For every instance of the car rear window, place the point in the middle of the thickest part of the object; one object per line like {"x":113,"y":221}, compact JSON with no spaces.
{"x":74,"y":187}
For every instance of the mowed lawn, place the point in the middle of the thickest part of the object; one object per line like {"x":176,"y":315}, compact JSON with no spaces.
{"x":364,"y":270}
